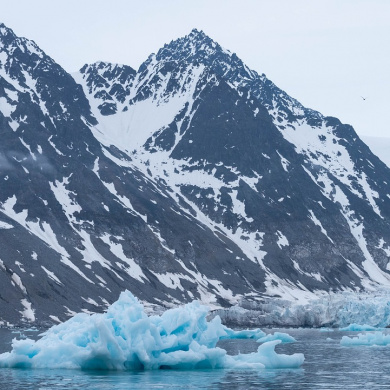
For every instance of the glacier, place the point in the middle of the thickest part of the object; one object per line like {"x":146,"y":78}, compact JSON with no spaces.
{"x":333,"y":310}
{"x":125,"y":338}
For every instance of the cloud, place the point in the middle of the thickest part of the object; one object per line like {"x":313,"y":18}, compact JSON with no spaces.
{"x":10,"y":160}
{"x":4,"y":163}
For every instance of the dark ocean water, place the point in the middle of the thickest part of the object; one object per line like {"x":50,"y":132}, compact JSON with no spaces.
{"x":327,"y":366}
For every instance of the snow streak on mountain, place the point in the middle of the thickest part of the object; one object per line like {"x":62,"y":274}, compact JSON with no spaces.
{"x":191,"y":178}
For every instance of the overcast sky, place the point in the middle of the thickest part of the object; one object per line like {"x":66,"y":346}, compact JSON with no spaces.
{"x":325,"y":53}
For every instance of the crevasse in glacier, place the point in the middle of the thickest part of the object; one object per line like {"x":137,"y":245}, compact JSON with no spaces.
{"x":125,"y":338}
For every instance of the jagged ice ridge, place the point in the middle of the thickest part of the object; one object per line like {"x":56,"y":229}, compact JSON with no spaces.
{"x":125,"y":338}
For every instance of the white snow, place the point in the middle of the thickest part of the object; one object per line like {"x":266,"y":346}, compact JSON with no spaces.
{"x":318,"y":223}
{"x":5,"y":225}
{"x":6,"y":108}
{"x":55,"y":318}
{"x":28,"y":313}
{"x":28,"y":148}
{"x":282,"y":239}
{"x":239,"y":206}
{"x":320,"y":146}
{"x":90,"y":301}
{"x":66,"y":198}
{"x":51,"y":275}
{"x":54,"y":146}
{"x":284,"y":161}
{"x":131,"y":267}
{"x":41,"y":230}
{"x":18,"y":282}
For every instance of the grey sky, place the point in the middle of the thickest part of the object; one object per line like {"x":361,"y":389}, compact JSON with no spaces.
{"x":325,"y":53}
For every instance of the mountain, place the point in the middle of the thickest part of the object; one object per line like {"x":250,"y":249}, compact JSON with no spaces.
{"x":193,"y":177}
{"x":299,"y":192}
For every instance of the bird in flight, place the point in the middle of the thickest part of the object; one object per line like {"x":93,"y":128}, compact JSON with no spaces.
{"x":364,"y":98}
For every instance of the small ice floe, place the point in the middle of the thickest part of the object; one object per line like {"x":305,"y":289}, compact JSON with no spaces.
{"x":20,"y":334}
{"x":125,"y":338}
{"x":283,"y":337}
{"x":374,"y":338}
{"x":326,"y":330}
{"x":359,"y":328}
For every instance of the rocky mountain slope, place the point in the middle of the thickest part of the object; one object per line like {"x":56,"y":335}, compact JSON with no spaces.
{"x":191,"y":178}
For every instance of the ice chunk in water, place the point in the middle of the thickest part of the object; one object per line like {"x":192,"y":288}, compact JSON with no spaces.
{"x":375,"y":338}
{"x":125,"y":338}
{"x":358,"y":328}
{"x":283,"y":337}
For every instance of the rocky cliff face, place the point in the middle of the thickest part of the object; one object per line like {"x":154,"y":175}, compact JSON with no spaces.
{"x":191,"y":178}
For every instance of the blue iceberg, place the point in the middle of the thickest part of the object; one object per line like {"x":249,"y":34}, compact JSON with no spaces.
{"x":324,"y":329}
{"x":368,"y":339}
{"x":283,"y":337}
{"x":358,"y":328}
{"x":125,"y":338}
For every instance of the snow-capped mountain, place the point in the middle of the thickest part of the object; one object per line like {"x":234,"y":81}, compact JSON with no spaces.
{"x":191,"y":178}
{"x":79,"y":222}
{"x":299,"y":192}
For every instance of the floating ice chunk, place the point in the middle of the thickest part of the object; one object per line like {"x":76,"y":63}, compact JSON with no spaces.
{"x":358,"y":328}
{"x":242,"y":334}
{"x":125,"y":338}
{"x":375,"y":338}
{"x":283,"y":337}
{"x":327,"y":330}
{"x":265,"y":357}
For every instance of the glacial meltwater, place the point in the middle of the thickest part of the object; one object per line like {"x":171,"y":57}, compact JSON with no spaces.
{"x":327,"y":365}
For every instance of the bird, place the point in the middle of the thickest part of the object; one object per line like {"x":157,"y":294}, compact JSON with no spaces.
{"x":364,"y":98}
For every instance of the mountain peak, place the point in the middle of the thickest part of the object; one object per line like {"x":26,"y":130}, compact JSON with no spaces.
{"x":10,"y":41}
{"x":196,"y":45}
{"x":6,"y":31}
{"x":201,"y":40}
{"x":197,"y":34}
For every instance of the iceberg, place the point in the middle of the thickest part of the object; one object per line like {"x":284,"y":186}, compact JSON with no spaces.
{"x":358,"y":328}
{"x":125,"y":338}
{"x":326,"y":330}
{"x":283,"y":337}
{"x":375,"y":338}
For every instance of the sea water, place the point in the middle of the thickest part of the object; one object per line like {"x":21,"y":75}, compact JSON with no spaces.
{"x":327,"y":365}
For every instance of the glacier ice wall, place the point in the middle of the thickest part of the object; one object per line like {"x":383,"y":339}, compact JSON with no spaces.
{"x":333,"y":310}
{"x":125,"y":338}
